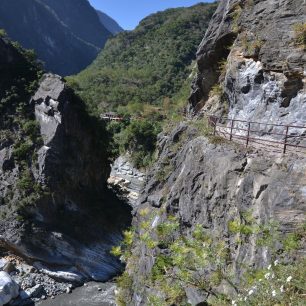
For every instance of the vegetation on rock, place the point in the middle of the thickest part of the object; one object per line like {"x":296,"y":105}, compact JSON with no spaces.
{"x":204,"y":262}
{"x":142,"y":75}
{"x":300,"y":34}
{"x":18,"y":126}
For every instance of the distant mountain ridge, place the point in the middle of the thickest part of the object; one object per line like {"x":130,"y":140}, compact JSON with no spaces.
{"x":109,"y":23}
{"x":67,"y":35}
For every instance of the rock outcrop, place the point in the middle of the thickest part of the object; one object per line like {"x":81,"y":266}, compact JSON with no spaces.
{"x":126,"y":180}
{"x":56,"y":212}
{"x":209,"y":185}
{"x":250,"y":67}
{"x":69,"y":226}
{"x":250,"y":52}
{"x":8,"y":288}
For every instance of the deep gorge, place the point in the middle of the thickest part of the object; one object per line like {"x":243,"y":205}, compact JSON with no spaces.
{"x":154,"y":208}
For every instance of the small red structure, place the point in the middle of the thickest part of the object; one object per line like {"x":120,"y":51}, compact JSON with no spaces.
{"x":111,"y":116}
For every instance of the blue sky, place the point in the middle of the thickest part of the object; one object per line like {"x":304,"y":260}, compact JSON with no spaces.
{"x":128,"y":13}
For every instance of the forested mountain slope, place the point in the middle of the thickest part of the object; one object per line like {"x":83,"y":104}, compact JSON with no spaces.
{"x":148,"y":64}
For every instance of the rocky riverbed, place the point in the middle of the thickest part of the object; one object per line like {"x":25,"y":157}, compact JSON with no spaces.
{"x":30,"y":283}
{"x":91,"y":294}
{"x":22,"y":284}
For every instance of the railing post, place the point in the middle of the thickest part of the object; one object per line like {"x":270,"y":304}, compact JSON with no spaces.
{"x":248,"y":136}
{"x":286,"y":137}
{"x":232,"y":126}
{"x":215,"y":125}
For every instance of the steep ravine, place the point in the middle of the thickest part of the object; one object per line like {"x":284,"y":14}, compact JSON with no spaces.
{"x":58,"y":219}
{"x":80,"y":220}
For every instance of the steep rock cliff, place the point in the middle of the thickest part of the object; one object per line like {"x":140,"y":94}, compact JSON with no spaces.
{"x":253,"y":51}
{"x":66,"y":35}
{"x":210,"y":185}
{"x":251,"y":66}
{"x":56,"y":211}
{"x":109,"y":23}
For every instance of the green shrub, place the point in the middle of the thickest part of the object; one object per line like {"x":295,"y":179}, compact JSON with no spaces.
{"x":237,"y":11}
{"x":31,"y":128}
{"x":291,"y":242}
{"x":25,"y":182}
{"x":124,"y":283}
{"x":3,"y":33}
{"x":251,"y":46}
{"x":216,"y":90}
{"x":222,"y":65}
{"x":164,"y":172}
{"x":280,"y":284}
{"x":204,"y":262}
{"x":300,"y":34}
{"x":140,"y":138}
{"x":203,"y":127}
{"x":22,"y":150}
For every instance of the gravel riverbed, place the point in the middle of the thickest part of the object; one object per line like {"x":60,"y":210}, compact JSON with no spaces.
{"x":91,"y":294}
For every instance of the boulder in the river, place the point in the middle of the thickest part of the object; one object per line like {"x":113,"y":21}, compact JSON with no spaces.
{"x":35,"y":291}
{"x":8,"y":288}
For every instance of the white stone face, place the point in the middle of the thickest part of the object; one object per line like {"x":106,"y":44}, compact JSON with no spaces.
{"x":48,"y":123}
{"x":155,"y":222}
{"x":8,"y":288}
{"x":258,"y":95}
{"x":127,"y":178}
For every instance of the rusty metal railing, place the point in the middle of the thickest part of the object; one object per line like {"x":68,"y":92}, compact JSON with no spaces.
{"x":278,"y":136}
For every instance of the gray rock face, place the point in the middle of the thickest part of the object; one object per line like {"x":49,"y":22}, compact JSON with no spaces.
{"x":128,"y":180}
{"x":109,"y":23}
{"x":66,"y":35}
{"x":211,"y":185}
{"x":263,"y":77}
{"x":8,"y":288}
{"x":255,"y":94}
{"x":76,"y":220}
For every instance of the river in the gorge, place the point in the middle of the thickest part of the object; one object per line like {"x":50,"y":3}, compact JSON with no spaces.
{"x":90,"y":294}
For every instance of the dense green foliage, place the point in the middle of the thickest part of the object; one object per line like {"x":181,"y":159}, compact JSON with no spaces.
{"x":143,"y":73}
{"x":147,"y":64}
{"x":139,"y":137}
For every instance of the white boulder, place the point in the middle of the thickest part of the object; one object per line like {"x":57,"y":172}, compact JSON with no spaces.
{"x":8,"y":288}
